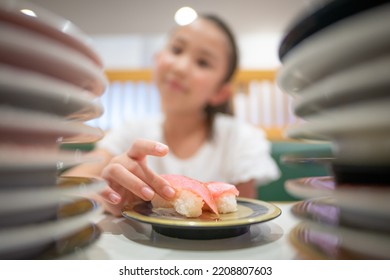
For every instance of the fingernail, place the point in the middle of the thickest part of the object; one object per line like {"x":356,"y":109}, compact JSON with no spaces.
{"x":114,"y":197}
{"x":169,"y":192}
{"x":161,"y":147}
{"x":147,"y":193}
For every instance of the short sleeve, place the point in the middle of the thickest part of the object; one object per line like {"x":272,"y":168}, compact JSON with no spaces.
{"x":250,"y":156}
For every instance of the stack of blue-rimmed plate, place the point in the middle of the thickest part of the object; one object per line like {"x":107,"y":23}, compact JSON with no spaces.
{"x":50,"y":83}
{"x":336,"y":65}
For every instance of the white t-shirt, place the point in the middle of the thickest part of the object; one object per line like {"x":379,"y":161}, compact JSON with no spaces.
{"x":238,"y":151}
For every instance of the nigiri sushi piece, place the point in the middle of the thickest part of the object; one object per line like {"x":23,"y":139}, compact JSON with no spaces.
{"x":191,"y":196}
{"x":224,"y":195}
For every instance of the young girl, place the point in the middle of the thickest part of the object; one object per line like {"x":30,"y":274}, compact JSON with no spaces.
{"x":192,"y":73}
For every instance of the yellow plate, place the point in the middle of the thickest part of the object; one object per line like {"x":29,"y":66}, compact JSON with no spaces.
{"x":208,"y":226}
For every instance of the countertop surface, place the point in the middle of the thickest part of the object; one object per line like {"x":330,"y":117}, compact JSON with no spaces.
{"x":123,"y":239}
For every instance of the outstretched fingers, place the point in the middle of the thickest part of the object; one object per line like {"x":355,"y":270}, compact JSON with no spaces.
{"x":159,"y":184}
{"x":138,"y":151}
{"x":130,"y":171}
{"x":142,"y":148}
{"x":117,"y":174}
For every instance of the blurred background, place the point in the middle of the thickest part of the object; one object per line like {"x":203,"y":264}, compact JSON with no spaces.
{"x":127,"y":33}
{"x":336,"y":161}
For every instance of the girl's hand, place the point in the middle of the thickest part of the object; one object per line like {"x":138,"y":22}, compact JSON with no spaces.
{"x":130,"y":179}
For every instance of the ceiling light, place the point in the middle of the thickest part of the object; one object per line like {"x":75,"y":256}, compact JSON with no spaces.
{"x":185,"y":15}
{"x":28,"y":12}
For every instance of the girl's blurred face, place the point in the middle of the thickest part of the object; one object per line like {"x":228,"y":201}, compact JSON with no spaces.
{"x":191,"y":68}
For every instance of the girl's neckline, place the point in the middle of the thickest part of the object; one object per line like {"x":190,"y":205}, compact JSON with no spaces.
{"x":193,"y":155}
{"x":198,"y":153}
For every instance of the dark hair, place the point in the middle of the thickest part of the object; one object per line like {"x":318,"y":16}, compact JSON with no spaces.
{"x":233,"y":59}
{"x":225,"y":107}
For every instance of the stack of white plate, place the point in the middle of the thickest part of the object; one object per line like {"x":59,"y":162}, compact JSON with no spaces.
{"x":50,"y":81}
{"x":336,"y":65}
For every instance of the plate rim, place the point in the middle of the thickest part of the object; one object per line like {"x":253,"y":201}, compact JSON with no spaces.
{"x":343,"y":195}
{"x":14,"y":200}
{"x":32,"y":84}
{"x":51,"y":51}
{"x":346,"y":217}
{"x":50,"y":24}
{"x":31,"y":159}
{"x":291,"y":77}
{"x":335,"y":123}
{"x":54,"y":253}
{"x":30,"y":121}
{"x":317,"y":19}
{"x":343,"y":234}
{"x":28,"y":234}
{"x":329,"y":88}
{"x":274,"y":212}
